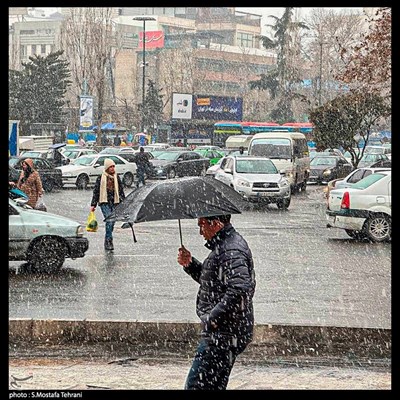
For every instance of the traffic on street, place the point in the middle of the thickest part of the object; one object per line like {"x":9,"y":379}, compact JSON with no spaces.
{"x":306,"y":273}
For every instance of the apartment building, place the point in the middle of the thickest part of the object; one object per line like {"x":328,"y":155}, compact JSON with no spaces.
{"x":214,"y":50}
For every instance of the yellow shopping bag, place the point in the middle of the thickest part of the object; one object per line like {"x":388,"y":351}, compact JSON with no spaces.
{"x":91,"y":223}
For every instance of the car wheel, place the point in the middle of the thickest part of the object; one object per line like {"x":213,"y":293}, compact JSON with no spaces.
{"x":358,"y":235}
{"x":47,"y":254}
{"x":48,"y":185}
{"x":283,"y":204}
{"x":171,"y":173}
{"x":82,"y":182}
{"x":378,"y":228}
{"x":127,"y":179}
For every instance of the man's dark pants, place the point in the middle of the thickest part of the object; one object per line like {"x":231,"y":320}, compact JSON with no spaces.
{"x":212,"y":365}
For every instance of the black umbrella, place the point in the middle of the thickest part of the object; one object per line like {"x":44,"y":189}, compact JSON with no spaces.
{"x":180,"y":198}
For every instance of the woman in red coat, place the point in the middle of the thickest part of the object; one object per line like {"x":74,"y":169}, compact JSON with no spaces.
{"x":29,"y":182}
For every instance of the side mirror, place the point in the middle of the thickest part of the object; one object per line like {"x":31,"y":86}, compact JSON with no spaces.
{"x":97,"y":165}
{"x":282,"y":172}
{"x":228,"y":171}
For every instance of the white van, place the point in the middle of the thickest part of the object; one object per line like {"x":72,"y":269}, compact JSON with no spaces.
{"x":235,"y":142}
{"x":288,"y":151}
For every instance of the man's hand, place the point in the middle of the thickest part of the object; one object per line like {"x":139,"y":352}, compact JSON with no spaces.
{"x":184,"y":256}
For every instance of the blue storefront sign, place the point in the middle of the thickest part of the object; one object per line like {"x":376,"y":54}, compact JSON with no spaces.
{"x":217,"y":108}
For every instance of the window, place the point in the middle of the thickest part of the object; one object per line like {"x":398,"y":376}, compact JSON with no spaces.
{"x":244,"y":40}
{"x":356,"y":176}
{"x":33,"y":49}
{"x":43,"y":49}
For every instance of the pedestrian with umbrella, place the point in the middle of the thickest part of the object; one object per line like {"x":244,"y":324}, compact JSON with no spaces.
{"x":224,"y":302}
{"x":108,"y":192}
{"x":226,"y":277}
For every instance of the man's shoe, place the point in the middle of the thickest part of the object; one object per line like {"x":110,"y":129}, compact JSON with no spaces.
{"x":108,"y":244}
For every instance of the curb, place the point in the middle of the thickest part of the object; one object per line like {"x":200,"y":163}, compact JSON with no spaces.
{"x":269,"y":340}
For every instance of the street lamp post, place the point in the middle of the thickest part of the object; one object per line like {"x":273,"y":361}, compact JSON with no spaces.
{"x":144,"y":19}
{"x":320,"y":72}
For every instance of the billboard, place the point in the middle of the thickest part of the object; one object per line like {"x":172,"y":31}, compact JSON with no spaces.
{"x":86,"y":113}
{"x":217,"y":108}
{"x":182,"y":105}
{"x":153,"y":39}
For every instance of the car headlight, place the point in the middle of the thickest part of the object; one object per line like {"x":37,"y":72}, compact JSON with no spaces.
{"x":242,"y":182}
{"x":80,"y":230}
{"x":68,"y":174}
{"x":327,"y":172}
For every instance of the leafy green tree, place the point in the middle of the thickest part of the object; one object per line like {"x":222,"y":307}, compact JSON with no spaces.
{"x":153,"y":110}
{"x":36,"y":93}
{"x":282,"y":80}
{"x":347,"y":121}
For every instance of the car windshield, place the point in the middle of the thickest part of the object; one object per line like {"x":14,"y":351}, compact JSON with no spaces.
{"x":71,"y":154}
{"x":374,"y":150}
{"x":168,"y":156}
{"x":84,"y":160}
{"x":323,"y":161}
{"x":369,"y":157}
{"x":272,"y":148}
{"x":110,"y":150}
{"x":30,"y":154}
{"x":256,"y":167}
{"x":368,"y":181}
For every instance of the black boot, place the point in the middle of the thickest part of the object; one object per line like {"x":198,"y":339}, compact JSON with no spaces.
{"x":108,"y":244}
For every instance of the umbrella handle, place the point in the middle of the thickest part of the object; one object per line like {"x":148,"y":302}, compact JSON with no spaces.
{"x":180,"y":231}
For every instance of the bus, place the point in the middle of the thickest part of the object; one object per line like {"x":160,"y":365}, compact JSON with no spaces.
{"x":224,"y":129}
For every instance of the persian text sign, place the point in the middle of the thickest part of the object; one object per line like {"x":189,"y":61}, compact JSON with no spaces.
{"x":153,"y":39}
{"x":217,"y":108}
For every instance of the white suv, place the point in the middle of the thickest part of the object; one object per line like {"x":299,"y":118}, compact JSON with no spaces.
{"x":365,"y":209}
{"x":256,"y":179}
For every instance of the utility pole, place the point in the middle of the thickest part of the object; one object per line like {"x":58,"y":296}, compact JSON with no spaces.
{"x":144,"y":19}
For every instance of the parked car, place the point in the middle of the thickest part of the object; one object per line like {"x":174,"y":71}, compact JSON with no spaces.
{"x":43,"y":239}
{"x":212,"y":154}
{"x":374,"y":160}
{"x":51,"y":176}
{"x":324,"y":168}
{"x":214,"y":168}
{"x":211,"y":171}
{"x":13,"y":174}
{"x":117,"y":150}
{"x":85,"y":170}
{"x":35,"y":153}
{"x":354,"y":177}
{"x":365,"y":209}
{"x":256,"y":179}
{"x":156,"y":147}
{"x":72,"y":154}
{"x":377,"y":150}
{"x":171,"y":164}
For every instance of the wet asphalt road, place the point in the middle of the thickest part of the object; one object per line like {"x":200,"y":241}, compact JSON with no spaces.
{"x":306,"y":274}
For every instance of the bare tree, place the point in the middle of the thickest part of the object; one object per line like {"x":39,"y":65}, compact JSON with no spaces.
{"x":86,"y":36}
{"x":369,"y":63}
{"x":329,"y":30}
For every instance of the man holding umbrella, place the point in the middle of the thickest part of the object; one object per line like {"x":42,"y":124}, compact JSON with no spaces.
{"x":224,"y":302}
